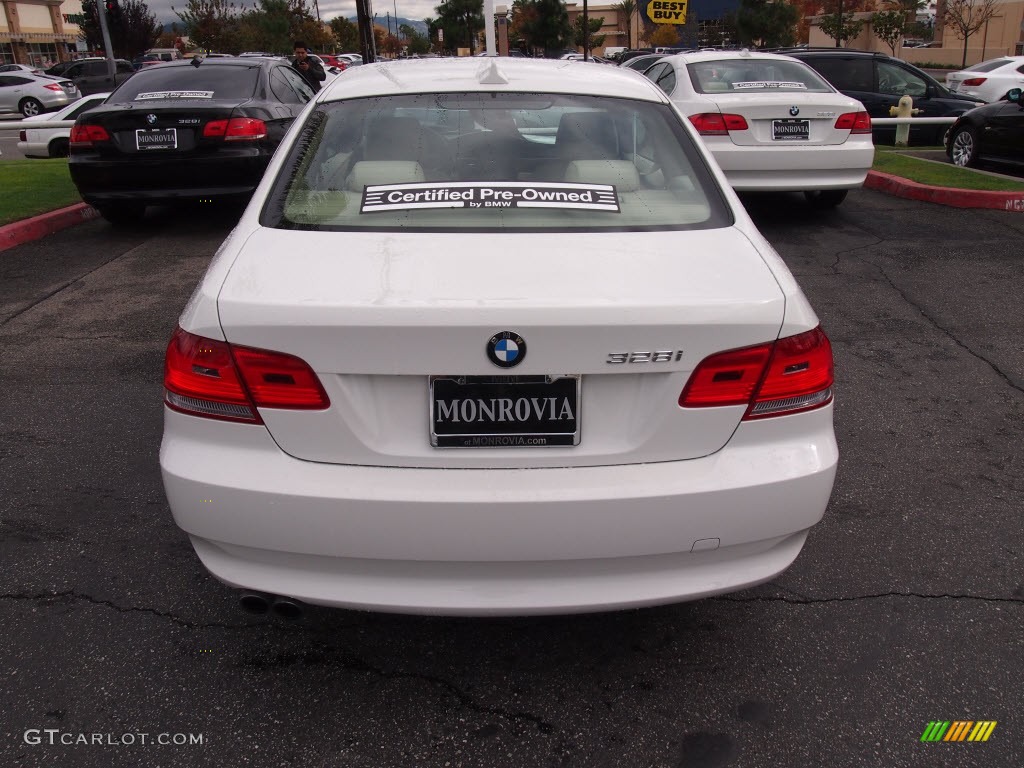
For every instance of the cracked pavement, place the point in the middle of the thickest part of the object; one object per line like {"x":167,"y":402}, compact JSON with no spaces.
{"x":905,"y":606}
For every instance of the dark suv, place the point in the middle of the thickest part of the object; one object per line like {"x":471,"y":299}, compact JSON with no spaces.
{"x":91,"y":75}
{"x":878,"y":81}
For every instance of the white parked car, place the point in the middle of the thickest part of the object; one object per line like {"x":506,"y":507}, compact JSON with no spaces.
{"x":771,"y":122}
{"x":40,"y":141}
{"x":989,"y":80}
{"x":444,"y":366}
{"x":35,"y":94}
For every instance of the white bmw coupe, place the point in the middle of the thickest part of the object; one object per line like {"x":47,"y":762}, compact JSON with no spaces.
{"x":496,"y":337}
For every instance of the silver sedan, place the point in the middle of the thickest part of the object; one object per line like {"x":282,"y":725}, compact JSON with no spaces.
{"x":34,"y":94}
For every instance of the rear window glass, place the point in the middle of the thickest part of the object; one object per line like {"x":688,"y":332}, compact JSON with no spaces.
{"x":988,"y":66}
{"x":187,"y":82}
{"x":494,"y":162}
{"x":755,"y":75}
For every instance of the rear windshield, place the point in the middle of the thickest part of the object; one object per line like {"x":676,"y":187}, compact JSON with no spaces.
{"x":191,"y":83}
{"x":494,"y":162}
{"x":988,"y":66}
{"x":755,"y":75}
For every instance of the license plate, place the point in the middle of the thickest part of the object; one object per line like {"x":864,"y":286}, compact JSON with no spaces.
{"x":791,"y":130}
{"x":504,"y":411}
{"x":156,"y":138}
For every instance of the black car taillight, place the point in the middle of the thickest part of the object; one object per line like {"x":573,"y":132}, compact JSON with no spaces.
{"x":236,"y":129}
{"x":87,"y":135}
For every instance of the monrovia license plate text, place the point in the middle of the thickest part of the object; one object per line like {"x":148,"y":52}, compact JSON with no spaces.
{"x":791,"y":130}
{"x":156,"y":138}
{"x":504,"y":411}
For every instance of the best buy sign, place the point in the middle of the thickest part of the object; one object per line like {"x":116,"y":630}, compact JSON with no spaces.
{"x":667,"y":11}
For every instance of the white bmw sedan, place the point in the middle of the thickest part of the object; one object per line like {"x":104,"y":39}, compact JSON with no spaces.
{"x":446,"y":364}
{"x":772,"y":123}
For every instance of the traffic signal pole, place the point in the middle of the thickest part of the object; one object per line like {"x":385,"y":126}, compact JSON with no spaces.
{"x":101,"y":9}
{"x":365,"y":26}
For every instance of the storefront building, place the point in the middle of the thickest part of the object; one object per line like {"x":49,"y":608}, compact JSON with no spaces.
{"x":38,"y":32}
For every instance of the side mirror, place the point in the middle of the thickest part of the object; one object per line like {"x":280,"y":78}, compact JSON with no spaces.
{"x":1014,"y":95}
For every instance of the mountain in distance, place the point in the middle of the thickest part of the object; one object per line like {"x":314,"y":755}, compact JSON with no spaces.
{"x":381,"y":20}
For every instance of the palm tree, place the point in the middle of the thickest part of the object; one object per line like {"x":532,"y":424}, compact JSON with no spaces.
{"x":628,"y":9}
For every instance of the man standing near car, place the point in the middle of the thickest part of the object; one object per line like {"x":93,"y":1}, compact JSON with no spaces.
{"x":310,"y":69}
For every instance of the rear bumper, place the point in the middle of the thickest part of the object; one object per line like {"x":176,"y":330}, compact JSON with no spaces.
{"x":795,"y":167}
{"x":495,"y":541}
{"x":131,"y":177}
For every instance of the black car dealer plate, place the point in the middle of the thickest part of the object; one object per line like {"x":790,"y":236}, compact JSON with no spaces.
{"x":156,"y":138}
{"x":791,"y":130}
{"x":504,"y":411}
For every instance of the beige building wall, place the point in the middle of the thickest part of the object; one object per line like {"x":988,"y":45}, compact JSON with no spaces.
{"x":613,"y":28}
{"x":34,"y":31}
{"x":1002,"y":36}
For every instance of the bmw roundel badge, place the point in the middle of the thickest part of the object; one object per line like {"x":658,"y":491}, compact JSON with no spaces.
{"x":151,"y":119}
{"x":506,"y":349}
{"x":794,"y":111}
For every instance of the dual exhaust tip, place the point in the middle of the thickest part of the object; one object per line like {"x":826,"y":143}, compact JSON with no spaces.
{"x":260,"y":604}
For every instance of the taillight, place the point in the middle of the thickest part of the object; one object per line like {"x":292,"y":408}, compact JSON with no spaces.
{"x":790,"y":375}
{"x":854,"y":122}
{"x":85,"y":135}
{"x":53,"y":87}
{"x":236,"y":129}
{"x":205,"y":377}
{"x":718,"y":124}
{"x":973,"y":81}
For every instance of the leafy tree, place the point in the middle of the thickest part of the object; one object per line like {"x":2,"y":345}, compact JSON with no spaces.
{"x":965,"y":17}
{"x":132,"y":31}
{"x":210,"y":24}
{"x":346,"y":34}
{"x":544,"y":24}
{"x":766,"y":24}
{"x":596,"y":41}
{"x":628,"y":10}
{"x":888,"y":26}
{"x":414,"y":41}
{"x":462,"y":21}
{"x":840,"y":27}
{"x":666,"y":35}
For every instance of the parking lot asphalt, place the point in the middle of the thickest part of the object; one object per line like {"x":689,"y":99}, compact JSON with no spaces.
{"x":905,"y":607}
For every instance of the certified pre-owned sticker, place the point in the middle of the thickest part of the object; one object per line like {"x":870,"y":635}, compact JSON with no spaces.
{"x":477,"y":194}
{"x":174,"y":95}
{"x":763,"y":85}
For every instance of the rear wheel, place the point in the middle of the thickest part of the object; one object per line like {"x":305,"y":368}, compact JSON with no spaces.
{"x":59,"y":148}
{"x":826,"y":198}
{"x":964,"y":148}
{"x":30,"y":107}
{"x":123,"y":214}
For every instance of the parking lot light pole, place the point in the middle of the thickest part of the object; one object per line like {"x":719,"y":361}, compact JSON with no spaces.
{"x":101,"y":10}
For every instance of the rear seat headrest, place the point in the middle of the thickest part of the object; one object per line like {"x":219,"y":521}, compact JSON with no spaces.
{"x":372,"y":172}
{"x":621,"y":174}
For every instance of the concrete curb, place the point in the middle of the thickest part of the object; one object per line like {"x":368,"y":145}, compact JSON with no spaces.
{"x":955,"y":198}
{"x":37,"y":227}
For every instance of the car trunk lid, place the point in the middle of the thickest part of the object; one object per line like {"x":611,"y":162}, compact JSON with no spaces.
{"x":787,"y":118}
{"x":627,"y":316}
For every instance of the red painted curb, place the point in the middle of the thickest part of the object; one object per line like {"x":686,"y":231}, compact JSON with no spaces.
{"x":955,"y":198}
{"x":27,"y":230}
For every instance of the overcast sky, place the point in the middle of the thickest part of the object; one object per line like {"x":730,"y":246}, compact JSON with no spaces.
{"x":409,"y":9}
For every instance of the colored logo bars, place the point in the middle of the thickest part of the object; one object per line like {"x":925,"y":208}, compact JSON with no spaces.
{"x":958,"y":730}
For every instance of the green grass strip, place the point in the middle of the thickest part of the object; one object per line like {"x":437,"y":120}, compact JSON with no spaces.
{"x":939,"y":175}
{"x":31,"y":187}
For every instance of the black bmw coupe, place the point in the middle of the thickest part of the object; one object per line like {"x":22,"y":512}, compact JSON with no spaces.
{"x":185,"y":130}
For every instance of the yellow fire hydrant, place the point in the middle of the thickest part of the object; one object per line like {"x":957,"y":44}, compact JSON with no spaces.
{"x":904,"y":109}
